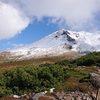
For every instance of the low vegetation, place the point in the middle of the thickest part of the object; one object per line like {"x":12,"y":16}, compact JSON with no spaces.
{"x":68,"y":75}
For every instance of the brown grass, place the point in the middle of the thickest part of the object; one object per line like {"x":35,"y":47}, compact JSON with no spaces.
{"x":72,"y":85}
{"x":6,"y":65}
{"x":9,"y":98}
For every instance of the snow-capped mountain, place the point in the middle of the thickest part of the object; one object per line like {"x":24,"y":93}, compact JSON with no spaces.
{"x":58,"y":43}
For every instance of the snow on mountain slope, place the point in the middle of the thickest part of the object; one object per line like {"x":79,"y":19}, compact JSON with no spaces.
{"x":60,"y":42}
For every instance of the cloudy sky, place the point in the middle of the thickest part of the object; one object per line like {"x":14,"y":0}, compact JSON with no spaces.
{"x":25,"y":21}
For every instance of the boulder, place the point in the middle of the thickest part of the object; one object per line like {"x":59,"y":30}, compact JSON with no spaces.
{"x":95,"y":79}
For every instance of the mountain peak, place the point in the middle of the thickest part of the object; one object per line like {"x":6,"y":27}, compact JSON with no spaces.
{"x":58,"y":43}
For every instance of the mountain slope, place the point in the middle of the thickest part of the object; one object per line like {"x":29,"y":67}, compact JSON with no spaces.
{"x":58,"y":43}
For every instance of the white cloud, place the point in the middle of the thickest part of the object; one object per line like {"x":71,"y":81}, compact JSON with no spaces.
{"x":12,"y":21}
{"x":15,"y":45}
{"x":76,"y":14}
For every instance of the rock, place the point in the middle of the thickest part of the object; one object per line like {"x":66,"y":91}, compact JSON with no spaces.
{"x":93,"y":95}
{"x":68,"y":98}
{"x":79,"y":98}
{"x":88,"y":98}
{"x":84,"y":98}
{"x":37,"y":96}
{"x":73,"y":96}
{"x":95,"y":79}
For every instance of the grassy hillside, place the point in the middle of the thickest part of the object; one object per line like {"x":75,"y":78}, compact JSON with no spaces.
{"x":68,"y":75}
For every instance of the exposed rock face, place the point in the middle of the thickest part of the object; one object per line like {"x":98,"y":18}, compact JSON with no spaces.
{"x":95,"y":79}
